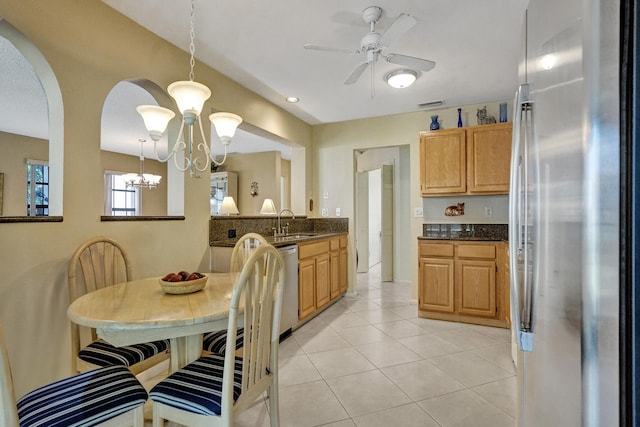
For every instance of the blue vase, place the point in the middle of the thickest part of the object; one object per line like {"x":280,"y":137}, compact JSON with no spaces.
{"x":459,"y":117}
{"x":434,"y":123}
{"x":503,"y":112}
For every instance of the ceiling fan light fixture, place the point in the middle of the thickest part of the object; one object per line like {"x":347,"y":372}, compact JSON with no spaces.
{"x":400,"y":79}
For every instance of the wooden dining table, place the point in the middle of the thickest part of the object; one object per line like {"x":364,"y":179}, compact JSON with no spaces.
{"x":139,"y":311}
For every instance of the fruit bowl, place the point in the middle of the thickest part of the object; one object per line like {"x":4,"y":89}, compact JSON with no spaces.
{"x":182,"y":286}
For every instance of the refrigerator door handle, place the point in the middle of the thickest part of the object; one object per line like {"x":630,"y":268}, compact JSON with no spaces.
{"x":518,"y":230}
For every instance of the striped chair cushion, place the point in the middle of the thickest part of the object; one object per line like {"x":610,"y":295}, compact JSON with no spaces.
{"x":85,"y":399}
{"x":102,"y":353}
{"x":216,"y":342}
{"x":197,"y":387}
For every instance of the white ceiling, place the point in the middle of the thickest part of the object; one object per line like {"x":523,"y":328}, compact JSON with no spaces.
{"x":259,"y":44}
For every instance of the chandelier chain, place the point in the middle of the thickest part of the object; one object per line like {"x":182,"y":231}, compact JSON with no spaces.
{"x":192,"y":45}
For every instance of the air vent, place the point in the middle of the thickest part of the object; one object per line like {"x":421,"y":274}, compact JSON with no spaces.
{"x":431,"y":104}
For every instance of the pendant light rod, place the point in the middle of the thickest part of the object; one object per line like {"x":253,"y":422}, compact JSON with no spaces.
{"x":190,"y":97}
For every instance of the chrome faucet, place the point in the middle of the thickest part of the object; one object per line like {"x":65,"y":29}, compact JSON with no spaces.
{"x":283,"y":231}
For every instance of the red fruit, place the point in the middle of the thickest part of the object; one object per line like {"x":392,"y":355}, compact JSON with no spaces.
{"x":193,"y":276}
{"x":184,"y":274}
{"x":168,"y":277}
{"x":176,"y":278}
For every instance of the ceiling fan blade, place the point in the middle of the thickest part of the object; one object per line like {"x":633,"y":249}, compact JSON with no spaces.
{"x":355,"y":74}
{"x":401,"y":25}
{"x":410,"y":61}
{"x":330,"y":49}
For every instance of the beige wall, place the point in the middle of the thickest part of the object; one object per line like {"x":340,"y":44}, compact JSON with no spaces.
{"x":154,"y":201}
{"x":334,"y":166}
{"x":263,"y":168}
{"x":91,"y":48}
{"x":15,"y":150}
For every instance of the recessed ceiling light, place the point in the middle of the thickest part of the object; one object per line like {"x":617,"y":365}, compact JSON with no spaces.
{"x":401,"y":78}
{"x":292,"y":99}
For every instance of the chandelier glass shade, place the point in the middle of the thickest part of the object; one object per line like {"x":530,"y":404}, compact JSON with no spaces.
{"x":141,"y":180}
{"x":190,"y":97}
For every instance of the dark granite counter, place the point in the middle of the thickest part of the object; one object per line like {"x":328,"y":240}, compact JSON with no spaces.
{"x":224,"y":231}
{"x":471,"y":232}
{"x":280,"y":241}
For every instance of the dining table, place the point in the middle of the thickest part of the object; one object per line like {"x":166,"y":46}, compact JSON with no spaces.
{"x":140,"y":311}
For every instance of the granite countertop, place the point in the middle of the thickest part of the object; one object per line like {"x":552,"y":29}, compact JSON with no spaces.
{"x":466,"y":232}
{"x":293,"y":238}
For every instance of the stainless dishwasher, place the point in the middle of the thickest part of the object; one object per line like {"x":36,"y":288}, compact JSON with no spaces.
{"x":289,"y":315}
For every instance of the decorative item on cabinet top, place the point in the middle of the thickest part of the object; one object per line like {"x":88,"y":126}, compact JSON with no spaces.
{"x":434,"y":123}
{"x":483,"y":117}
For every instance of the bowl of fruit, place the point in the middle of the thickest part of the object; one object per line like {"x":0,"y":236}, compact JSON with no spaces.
{"x":183,"y":282}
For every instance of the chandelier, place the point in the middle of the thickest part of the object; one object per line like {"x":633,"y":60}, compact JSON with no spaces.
{"x":190,"y":97}
{"x":141,"y":180}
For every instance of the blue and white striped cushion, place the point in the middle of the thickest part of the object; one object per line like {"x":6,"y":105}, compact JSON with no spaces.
{"x":216,"y":342}
{"x":102,"y":353}
{"x":85,"y":399}
{"x":197,"y":387}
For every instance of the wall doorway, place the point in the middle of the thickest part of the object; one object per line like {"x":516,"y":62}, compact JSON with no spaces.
{"x":375,"y":228}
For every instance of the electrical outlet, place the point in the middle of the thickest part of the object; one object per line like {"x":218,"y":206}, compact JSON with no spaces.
{"x":325,"y":212}
{"x":337,"y":211}
{"x":488,"y":212}
{"x":417,"y":212}
{"x":231,"y":234}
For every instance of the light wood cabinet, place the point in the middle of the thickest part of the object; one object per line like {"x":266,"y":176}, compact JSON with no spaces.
{"x":322,"y":273}
{"x":459,"y":281}
{"x":469,"y":160}
{"x":343,"y":269}
{"x":443,"y":162}
{"x":306,"y":287}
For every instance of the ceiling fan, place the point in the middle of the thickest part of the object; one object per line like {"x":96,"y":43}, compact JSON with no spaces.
{"x":373,"y":45}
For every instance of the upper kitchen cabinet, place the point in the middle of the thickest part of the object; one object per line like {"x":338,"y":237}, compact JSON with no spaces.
{"x":471,"y":160}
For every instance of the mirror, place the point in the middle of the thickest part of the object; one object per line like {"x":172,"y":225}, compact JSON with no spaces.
{"x":31,"y":129}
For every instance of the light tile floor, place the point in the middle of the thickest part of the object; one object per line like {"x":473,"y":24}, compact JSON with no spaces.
{"x":370,"y":361}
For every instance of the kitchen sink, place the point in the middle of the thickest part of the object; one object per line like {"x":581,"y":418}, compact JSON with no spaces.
{"x":291,"y":237}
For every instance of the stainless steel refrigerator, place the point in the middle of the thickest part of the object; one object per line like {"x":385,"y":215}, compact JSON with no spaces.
{"x":564,"y":215}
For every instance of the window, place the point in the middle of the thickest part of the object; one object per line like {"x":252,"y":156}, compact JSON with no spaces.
{"x":120,"y":200}
{"x":37,"y":188}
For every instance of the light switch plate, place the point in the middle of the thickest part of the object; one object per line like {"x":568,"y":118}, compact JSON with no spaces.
{"x":326,"y":195}
{"x":417,"y":212}
{"x":337,"y":211}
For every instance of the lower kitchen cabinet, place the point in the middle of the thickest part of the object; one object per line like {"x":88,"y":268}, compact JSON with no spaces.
{"x":459,"y":281}
{"x":322,"y":273}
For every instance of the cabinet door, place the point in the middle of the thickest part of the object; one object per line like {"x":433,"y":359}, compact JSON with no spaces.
{"x":334,"y":263}
{"x":306,"y":287}
{"x":443,"y":162}
{"x":435,"y":287}
{"x":323,"y":280}
{"x":489,"y":158}
{"x":476,"y":287}
{"x":343,"y":274}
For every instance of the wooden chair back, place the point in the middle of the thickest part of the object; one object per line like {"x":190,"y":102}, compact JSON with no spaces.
{"x":9,"y":412}
{"x":98,"y":262}
{"x":257,"y":299}
{"x":243,"y":248}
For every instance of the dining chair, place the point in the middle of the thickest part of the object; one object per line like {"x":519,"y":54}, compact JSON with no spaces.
{"x":110,"y":396}
{"x":216,"y":341}
{"x":100,"y":262}
{"x":214,"y":388}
